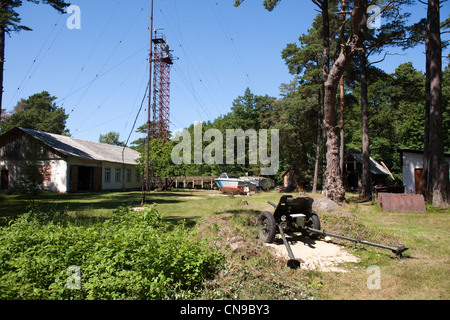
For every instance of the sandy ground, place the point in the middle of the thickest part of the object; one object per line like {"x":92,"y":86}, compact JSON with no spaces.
{"x":316,"y":254}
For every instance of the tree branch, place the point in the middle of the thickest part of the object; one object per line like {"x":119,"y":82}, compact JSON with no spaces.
{"x":384,"y":57}
{"x":318,"y":3}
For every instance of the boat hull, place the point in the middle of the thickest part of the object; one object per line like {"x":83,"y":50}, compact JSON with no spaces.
{"x":235,"y":186}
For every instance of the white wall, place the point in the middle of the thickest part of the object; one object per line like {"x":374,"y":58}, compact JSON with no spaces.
{"x":58,"y":181}
{"x":13,"y":171}
{"x":412,"y":161}
{"x":60,"y":174}
{"x":115,"y":184}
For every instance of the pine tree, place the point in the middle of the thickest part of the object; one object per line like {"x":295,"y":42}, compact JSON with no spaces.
{"x":10,"y":22}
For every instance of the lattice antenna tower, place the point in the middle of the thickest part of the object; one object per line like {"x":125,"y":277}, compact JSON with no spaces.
{"x":162,"y":61}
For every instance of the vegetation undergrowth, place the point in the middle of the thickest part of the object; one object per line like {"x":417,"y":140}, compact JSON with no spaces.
{"x":131,"y":255}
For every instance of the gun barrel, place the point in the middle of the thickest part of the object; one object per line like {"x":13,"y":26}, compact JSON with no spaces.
{"x":272,"y":204}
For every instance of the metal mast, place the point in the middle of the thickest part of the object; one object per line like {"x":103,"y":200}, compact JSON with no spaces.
{"x":158,"y":120}
{"x":161,"y":87}
{"x":150,"y":60}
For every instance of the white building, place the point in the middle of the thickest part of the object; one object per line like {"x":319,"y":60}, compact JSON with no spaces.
{"x":66,"y":164}
{"x":412,"y":168}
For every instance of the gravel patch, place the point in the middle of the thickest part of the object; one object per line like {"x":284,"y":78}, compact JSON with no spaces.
{"x":316,"y":254}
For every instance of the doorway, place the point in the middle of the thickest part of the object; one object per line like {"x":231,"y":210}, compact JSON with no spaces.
{"x":418,"y":180}
{"x":85,"y":178}
{"x":85,"y":175}
{"x":5,"y":180}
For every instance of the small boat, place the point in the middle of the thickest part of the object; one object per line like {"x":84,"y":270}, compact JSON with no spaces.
{"x":231,"y":184}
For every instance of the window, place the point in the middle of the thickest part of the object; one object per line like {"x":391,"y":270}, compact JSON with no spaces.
{"x":107,"y":174}
{"x":128,"y":175}
{"x":118,"y":175}
{"x":138,"y":176}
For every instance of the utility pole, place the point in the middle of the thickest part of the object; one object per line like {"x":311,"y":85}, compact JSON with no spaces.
{"x":2,"y":63}
{"x":147,"y":169}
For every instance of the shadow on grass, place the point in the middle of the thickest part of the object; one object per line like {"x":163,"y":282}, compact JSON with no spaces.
{"x":89,"y":202}
{"x":238,"y":211}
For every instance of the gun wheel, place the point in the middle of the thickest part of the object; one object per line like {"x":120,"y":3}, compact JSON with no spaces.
{"x":314,"y":223}
{"x":266,"y":227}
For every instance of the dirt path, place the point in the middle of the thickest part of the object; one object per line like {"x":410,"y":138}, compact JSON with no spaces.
{"x":316,"y":254}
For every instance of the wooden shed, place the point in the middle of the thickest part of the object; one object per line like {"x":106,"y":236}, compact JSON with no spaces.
{"x":353,"y":171}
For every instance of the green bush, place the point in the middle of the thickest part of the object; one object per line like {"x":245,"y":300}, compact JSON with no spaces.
{"x":132,"y":255}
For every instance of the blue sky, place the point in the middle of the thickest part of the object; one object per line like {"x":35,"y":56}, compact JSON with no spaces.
{"x":99,"y":73}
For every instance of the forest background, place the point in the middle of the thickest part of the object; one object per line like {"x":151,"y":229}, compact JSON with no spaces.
{"x":387,"y":107}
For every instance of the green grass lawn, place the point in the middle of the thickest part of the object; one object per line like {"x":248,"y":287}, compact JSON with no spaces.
{"x":423,"y":273}
{"x":192,"y":205}
{"x":80,"y":203}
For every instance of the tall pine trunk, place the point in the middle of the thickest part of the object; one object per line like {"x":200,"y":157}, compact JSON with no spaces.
{"x":365,"y":177}
{"x":319,"y":133}
{"x":426,"y":180}
{"x":341,"y":128}
{"x":342,"y":93}
{"x":326,"y":52}
{"x":333,"y":184}
{"x":439,"y":168}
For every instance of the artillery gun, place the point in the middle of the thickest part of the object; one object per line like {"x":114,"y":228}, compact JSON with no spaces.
{"x":297,"y":215}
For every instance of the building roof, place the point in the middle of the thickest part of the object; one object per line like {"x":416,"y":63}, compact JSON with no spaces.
{"x":375,"y":167}
{"x":81,"y":149}
{"x":403,"y":150}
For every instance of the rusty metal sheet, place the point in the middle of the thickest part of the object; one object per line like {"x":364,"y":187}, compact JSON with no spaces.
{"x":401,"y":202}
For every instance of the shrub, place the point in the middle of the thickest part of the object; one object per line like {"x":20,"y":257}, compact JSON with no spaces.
{"x":132,"y":255}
